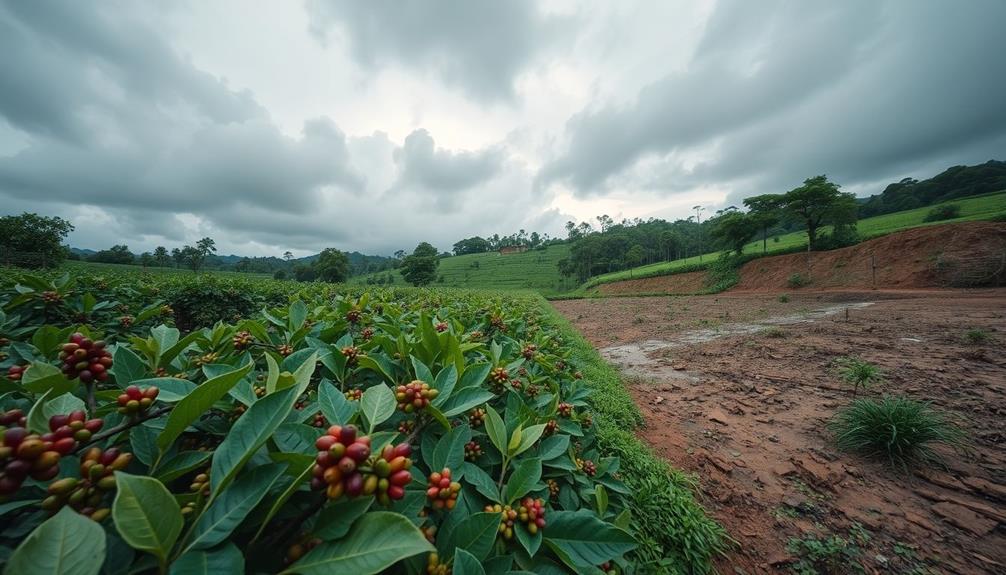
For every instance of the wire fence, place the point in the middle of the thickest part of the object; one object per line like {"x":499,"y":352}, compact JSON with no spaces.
{"x":971,"y":271}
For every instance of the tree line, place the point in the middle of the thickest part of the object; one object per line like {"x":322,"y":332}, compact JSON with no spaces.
{"x":612,"y":246}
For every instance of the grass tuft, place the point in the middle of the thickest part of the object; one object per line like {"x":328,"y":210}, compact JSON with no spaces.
{"x":977,"y":337}
{"x":900,"y":430}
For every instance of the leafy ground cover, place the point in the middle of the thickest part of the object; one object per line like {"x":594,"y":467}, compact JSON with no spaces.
{"x":203,"y":424}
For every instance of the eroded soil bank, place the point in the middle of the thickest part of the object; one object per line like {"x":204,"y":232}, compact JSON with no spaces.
{"x":738,"y":388}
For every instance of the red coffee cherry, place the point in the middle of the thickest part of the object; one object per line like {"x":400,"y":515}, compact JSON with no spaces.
{"x":133,"y":401}
{"x":414,"y":396}
{"x":441,"y":491}
{"x":86,"y":359}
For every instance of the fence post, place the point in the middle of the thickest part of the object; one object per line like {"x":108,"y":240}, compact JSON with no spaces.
{"x":873,"y":268}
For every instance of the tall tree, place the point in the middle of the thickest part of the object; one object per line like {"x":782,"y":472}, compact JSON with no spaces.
{"x":420,"y":268}
{"x":161,"y":256}
{"x":818,"y":203}
{"x":734,"y":229}
{"x":332,"y":265}
{"x":34,"y":241}
{"x":764,"y":211}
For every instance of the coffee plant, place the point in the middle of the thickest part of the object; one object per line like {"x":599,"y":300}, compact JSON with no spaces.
{"x":306,"y":430}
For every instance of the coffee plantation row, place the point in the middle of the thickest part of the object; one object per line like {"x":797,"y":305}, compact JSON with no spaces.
{"x":187,"y":425}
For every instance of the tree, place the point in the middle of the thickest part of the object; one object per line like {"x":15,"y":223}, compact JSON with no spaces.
{"x":33,"y":241}
{"x":764,"y":211}
{"x":818,"y":203}
{"x":147,"y":259}
{"x":475,"y":245}
{"x":118,"y":254}
{"x":734,"y":229}
{"x":178,"y":256}
{"x":634,"y":256}
{"x":304,"y":273}
{"x":420,"y":268}
{"x":332,"y":265}
{"x":287,"y":255}
{"x":161,"y":256}
{"x":196,"y":255}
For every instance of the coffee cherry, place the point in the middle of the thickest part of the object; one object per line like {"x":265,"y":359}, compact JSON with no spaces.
{"x":532,"y":514}
{"x":441,"y":491}
{"x":529,"y":351}
{"x":300,"y":548}
{"x":284,"y":350}
{"x":565,"y":409}
{"x":242,"y":340}
{"x":587,"y":466}
{"x":435,"y":567}
{"x":201,"y":484}
{"x":476,"y":417}
{"x":551,"y":426}
{"x":509,"y":516}
{"x":352,"y":355}
{"x":134,"y":402}
{"x":516,"y":384}
{"x":553,"y":488}
{"x":472,"y":450}
{"x":15,"y":372}
{"x":97,"y":478}
{"x":497,"y":322}
{"x":354,"y":394}
{"x":354,"y":316}
{"x":475,"y":335}
{"x":414,"y":396}
{"x":532,"y":390}
{"x":499,"y":375}
{"x":51,"y":298}
{"x":406,"y":426}
{"x":367,"y":334}
{"x":86,"y":359}
{"x":577,"y":375}
{"x":13,"y":418}
{"x":441,"y":327}
{"x":126,"y":321}
{"x":207,"y":359}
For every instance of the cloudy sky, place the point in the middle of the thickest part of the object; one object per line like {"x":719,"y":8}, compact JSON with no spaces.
{"x":372,"y":126}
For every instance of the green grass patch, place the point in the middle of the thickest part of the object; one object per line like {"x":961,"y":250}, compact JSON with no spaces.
{"x":898,"y":430}
{"x":536,"y":270}
{"x":676,"y":535}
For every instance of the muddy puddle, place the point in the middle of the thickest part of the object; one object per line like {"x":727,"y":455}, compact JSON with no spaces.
{"x":642,"y":359}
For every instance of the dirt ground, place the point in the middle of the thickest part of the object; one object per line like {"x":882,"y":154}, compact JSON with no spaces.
{"x":738,"y":388}
{"x":962,"y":254}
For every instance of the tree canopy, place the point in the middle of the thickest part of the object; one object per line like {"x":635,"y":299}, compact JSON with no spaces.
{"x":332,"y":265}
{"x":420,"y":268}
{"x":817,"y":203}
{"x":34,"y":241}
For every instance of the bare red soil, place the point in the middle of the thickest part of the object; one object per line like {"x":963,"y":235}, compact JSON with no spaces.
{"x":927,"y":257}
{"x":739,"y":388}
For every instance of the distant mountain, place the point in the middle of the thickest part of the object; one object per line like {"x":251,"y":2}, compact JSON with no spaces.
{"x":82,"y":252}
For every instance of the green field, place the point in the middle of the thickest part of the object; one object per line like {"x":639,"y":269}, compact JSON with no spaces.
{"x":975,"y":208}
{"x":119,"y":268}
{"x":535,"y":270}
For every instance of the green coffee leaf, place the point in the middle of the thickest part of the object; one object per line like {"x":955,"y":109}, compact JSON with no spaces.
{"x":525,"y":476}
{"x":65,"y":544}
{"x":196,"y":403}
{"x":234,"y":504}
{"x":146,"y":515}
{"x":377,"y":404}
{"x":375,"y":542}
{"x":581,"y":540}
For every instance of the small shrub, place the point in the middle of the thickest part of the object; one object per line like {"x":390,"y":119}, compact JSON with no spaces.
{"x":774,"y":332}
{"x":797,"y":280}
{"x":897,"y":429}
{"x":977,"y":337}
{"x":783,"y":298}
{"x":859,"y":373}
{"x":279,"y":275}
{"x":944,"y":212}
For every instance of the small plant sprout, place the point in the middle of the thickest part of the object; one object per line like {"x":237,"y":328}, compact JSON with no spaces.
{"x":977,"y":337}
{"x":900,"y":430}
{"x":859,"y":373}
{"x":784,"y":298}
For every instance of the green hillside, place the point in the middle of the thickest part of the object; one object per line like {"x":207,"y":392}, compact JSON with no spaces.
{"x":973,"y":208}
{"x":535,"y":270}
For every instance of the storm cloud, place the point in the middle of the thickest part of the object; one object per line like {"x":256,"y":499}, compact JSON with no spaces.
{"x":374,"y":126}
